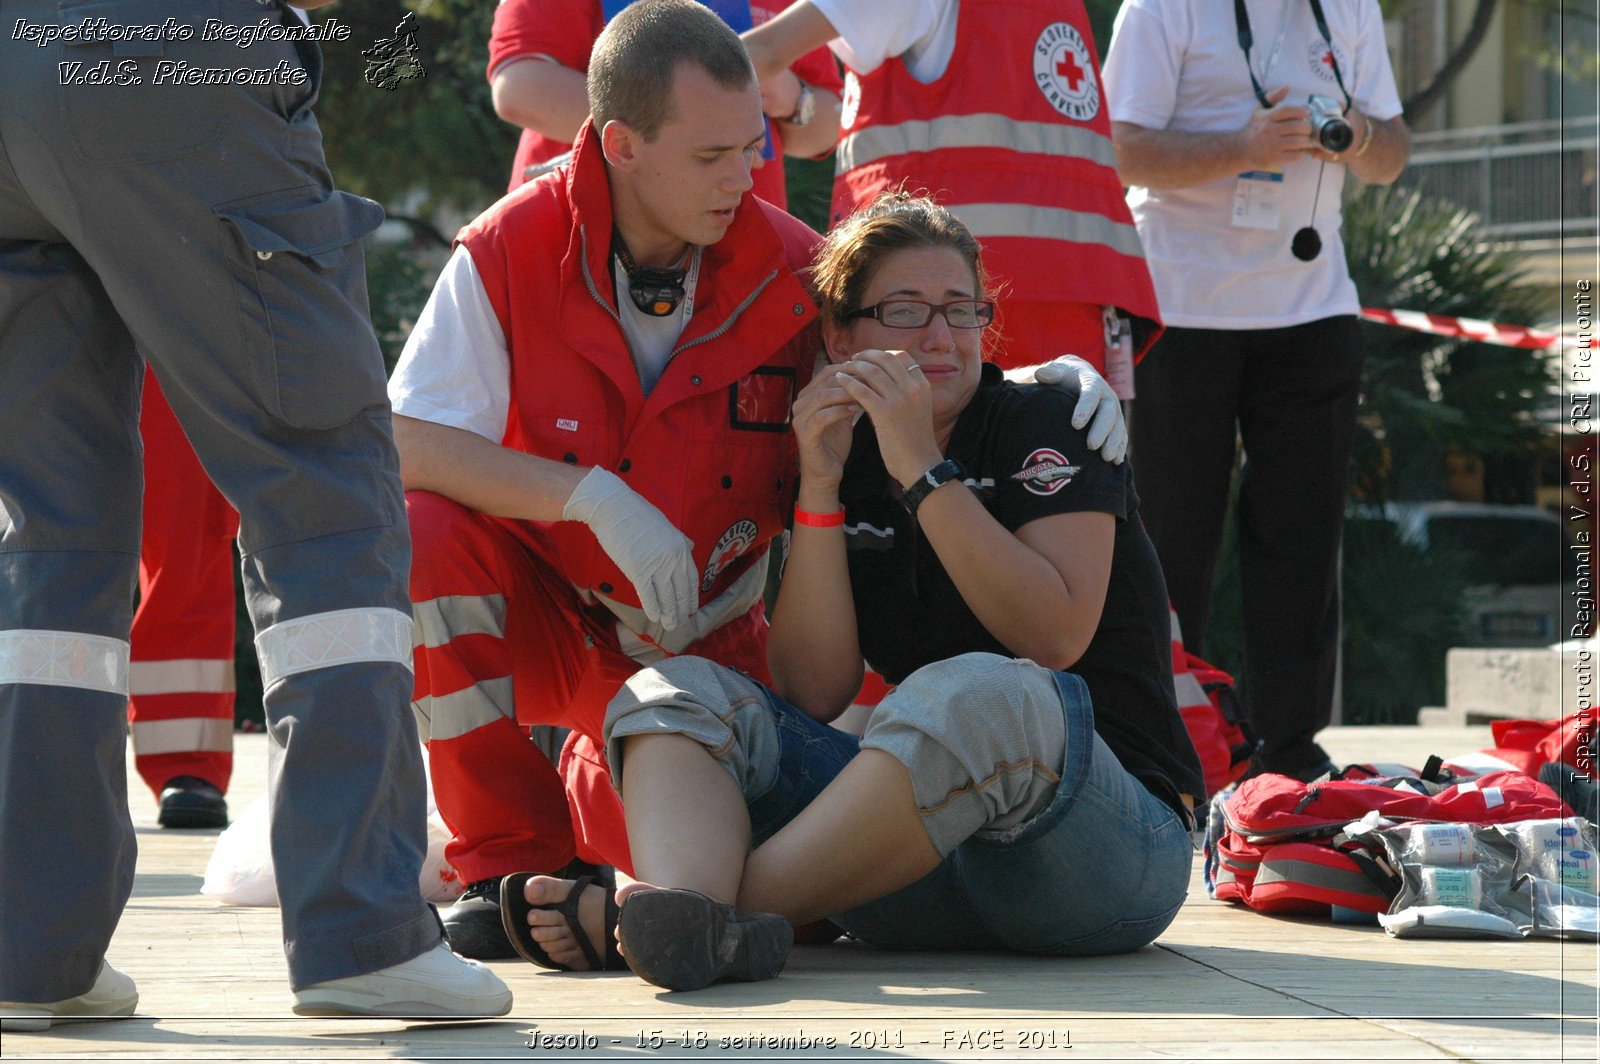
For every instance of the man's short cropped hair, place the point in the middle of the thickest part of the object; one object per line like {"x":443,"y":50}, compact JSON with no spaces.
{"x":634,"y":60}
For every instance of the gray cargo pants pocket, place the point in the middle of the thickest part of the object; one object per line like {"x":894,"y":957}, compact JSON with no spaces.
{"x":118,"y":91}
{"x":301,"y":290}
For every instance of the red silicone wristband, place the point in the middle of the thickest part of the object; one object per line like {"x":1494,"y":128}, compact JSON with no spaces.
{"x":806,"y":517}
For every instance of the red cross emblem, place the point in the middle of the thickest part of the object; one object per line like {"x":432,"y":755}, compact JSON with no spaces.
{"x":1069,"y":69}
{"x":1327,"y":60}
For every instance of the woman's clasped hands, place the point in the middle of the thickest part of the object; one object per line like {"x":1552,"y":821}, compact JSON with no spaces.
{"x":891,"y":387}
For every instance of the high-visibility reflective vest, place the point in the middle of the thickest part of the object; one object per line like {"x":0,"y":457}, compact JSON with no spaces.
{"x":1015,"y":138}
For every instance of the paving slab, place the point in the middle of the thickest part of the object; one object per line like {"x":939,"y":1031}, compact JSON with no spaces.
{"x":1223,"y":984}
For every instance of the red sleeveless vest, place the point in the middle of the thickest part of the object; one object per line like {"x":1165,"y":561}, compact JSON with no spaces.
{"x":1016,"y":140}
{"x":710,"y":446}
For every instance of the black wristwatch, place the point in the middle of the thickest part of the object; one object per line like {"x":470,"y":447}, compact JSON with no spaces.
{"x":937,"y":477}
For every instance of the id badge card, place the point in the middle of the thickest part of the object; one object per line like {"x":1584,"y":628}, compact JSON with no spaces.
{"x":1118,"y":352}
{"x":1258,"y":199}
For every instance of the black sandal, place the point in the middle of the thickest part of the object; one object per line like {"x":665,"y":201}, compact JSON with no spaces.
{"x":684,"y":940}
{"x":514,"y":910}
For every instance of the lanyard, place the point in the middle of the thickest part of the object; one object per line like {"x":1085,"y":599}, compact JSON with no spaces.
{"x":690,"y":283}
{"x":1241,"y":18}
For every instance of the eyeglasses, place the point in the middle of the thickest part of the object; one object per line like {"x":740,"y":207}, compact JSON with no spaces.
{"x":914,"y":313}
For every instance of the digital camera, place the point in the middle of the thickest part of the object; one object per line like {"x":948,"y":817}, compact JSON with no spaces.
{"x":1329,"y":130}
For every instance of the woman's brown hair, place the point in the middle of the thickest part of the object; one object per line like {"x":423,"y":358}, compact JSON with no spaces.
{"x":895,"y":221}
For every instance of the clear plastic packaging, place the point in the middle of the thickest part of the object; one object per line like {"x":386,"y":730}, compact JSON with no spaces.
{"x":240,"y":870}
{"x":1529,"y":878}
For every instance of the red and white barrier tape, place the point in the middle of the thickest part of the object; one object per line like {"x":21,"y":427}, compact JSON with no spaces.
{"x":1487,"y":332}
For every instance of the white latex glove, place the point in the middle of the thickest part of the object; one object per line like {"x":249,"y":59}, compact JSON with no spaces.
{"x":647,"y":547}
{"x":1096,"y":399}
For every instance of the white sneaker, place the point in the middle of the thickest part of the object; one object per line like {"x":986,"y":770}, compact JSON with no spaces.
{"x":435,"y":985}
{"x":112,"y":997}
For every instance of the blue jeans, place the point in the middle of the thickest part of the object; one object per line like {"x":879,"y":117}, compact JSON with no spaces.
{"x":1102,"y":868}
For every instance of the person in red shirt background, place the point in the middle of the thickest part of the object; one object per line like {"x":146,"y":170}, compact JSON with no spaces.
{"x":539,"y":56}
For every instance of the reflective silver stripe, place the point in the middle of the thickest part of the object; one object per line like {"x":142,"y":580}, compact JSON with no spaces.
{"x":181,"y":676}
{"x":973,"y":131}
{"x":548,"y":166}
{"x":441,"y":619}
{"x":339,"y":637}
{"x":1177,"y":629}
{"x":186,"y":736}
{"x":1190,"y":693}
{"x":881,"y":533}
{"x":1288,"y":870}
{"x":1049,"y":223}
{"x":736,"y":601}
{"x":457,"y":713}
{"x":637,"y":647}
{"x":64,"y":659}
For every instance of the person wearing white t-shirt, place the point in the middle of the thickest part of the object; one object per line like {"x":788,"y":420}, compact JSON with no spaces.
{"x":1211,"y":107}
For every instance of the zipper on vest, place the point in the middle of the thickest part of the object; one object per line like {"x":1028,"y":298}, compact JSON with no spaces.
{"x":588,"y":278}
{"x":725,"y":326}
{"x":594,"y":290}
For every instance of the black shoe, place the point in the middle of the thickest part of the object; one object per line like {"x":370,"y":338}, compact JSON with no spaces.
{"x":1313,"y":773}
{"x":191,"y":802}
{"x":1305,"y":772}
{"x":472,"y":925}
{"x":683,"y":940}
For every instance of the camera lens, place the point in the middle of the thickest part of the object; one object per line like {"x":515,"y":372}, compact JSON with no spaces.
{"x":1335,"y":135}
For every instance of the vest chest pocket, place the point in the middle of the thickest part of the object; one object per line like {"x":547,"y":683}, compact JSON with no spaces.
{"x":749,"y":453}
{"x":301,"y":291}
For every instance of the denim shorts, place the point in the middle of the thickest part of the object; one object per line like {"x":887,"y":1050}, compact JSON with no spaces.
{"x":1102,"y":868}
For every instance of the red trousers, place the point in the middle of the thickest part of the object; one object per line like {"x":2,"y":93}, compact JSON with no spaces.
{"x":180,"y":681}
{"x":505,"y":643}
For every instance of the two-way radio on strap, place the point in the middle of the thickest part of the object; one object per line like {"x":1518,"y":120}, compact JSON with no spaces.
{"x":654,"y":290}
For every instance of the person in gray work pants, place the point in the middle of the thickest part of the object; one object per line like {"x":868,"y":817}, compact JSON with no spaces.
{"x":200,"y":223}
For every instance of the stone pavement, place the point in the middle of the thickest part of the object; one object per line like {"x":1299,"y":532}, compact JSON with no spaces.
{"x":1222,"y":984}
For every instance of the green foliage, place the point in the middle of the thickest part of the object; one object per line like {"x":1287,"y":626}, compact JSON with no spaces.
{"x":809,"y":184}
{"x":1102,"y":16}
{"x":1427,"y":396}
{"x":399,"y":278}
{"x":1402,"y":611}
{"x":433,"y":141}
{"x":1423,"y":397}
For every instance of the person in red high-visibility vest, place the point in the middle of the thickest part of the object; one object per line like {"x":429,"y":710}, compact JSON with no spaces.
{"x":995,"y":108}
{"x":539,"y":56}
{"x":180,"y":677}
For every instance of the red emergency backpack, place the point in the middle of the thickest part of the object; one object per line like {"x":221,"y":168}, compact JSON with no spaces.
{"x":1278,"y":845}
{"x":1532,"y":744}
{"x":1216,"y":721}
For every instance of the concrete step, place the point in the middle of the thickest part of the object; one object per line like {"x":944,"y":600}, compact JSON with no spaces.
{"x":1543,"y":683}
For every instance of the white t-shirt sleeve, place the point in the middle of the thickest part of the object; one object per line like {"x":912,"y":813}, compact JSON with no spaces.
{"x":1144,"y":63}
{"x":455,"y":369}
{"x":871,"y":32}
{"x":1375,"y":91}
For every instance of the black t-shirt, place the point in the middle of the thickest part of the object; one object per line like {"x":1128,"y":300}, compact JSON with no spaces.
{"x":1025,"y":461}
